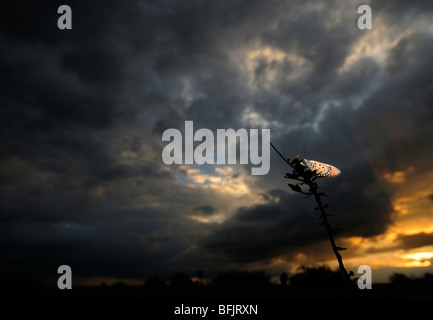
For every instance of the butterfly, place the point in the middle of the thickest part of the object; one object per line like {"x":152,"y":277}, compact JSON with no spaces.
{"x":321,"y":169}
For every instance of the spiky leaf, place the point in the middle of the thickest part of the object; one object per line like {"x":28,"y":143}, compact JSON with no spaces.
{"x":295,"y":187}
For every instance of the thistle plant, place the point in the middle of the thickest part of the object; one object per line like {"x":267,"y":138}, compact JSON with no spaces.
{"x":307,"y":185}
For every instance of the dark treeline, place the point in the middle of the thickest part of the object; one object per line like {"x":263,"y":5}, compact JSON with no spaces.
{"x":308,"y":283}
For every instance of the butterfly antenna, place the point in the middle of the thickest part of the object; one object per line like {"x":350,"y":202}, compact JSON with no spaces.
{"x":279,"y":152}
{"x":305,"y":152}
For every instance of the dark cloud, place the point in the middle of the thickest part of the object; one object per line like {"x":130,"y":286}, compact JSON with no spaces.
{"x":406,"y":242}
{"x":88,"y":246}
{"x":401,"y":105}
{"x":82,"y":112}
{"x":263,"y":231}
{"x":415,"y":240}
{"x":399,"y":8}
{"x":207,"y":209}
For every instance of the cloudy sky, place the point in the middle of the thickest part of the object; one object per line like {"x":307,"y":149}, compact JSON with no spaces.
{"x":83,"y":112}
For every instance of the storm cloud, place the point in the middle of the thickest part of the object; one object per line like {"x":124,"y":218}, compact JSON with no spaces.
{"x":82,"y":113}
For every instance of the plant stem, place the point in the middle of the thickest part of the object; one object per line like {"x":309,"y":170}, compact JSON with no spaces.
{"x":326,"y":224}
{"x":307,"y":177}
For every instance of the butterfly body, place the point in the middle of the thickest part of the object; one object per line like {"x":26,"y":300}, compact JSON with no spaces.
{"x":321,"y":169}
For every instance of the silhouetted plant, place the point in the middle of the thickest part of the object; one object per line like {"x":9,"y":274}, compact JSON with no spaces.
{"x":400,"y":279}
{"x":307,"y":177}
{"x":284,"y":278}
{"x":200,"y":277}
{"x":321,"y":277}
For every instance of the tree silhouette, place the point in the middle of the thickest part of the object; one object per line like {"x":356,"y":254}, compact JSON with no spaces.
{"x":242,"y":278}
{"x":200,"y":276}
{"x":284,"y":278}
{"x":180,"y":279}
{"x":321,"y":277}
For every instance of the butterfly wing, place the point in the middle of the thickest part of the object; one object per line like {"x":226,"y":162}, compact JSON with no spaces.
{"x":322,"y":169}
